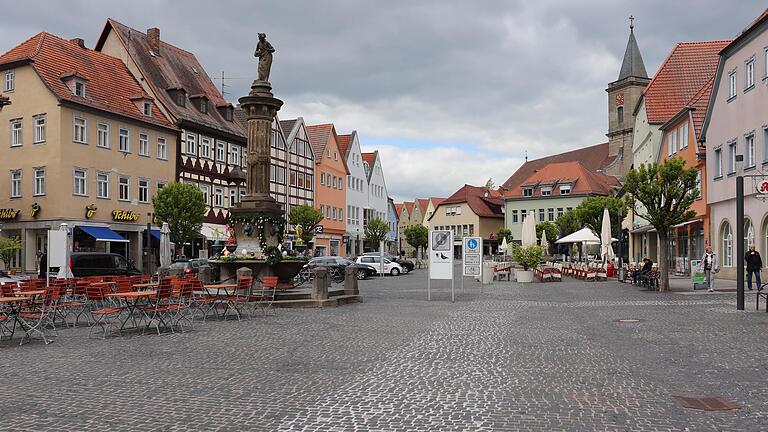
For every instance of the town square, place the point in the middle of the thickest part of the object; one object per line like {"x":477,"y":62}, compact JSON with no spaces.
{"x":418,"y":216}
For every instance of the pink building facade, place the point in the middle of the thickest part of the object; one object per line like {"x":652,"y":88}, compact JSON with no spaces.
{"x":737,"y":124}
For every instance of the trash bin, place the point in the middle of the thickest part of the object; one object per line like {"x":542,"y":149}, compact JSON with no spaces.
{"x":611,"y":270}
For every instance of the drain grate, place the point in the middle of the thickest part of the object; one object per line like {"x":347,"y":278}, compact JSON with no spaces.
{"x":707,"y":403}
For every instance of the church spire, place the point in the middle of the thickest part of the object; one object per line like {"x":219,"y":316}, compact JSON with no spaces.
{"x":633,"y":62}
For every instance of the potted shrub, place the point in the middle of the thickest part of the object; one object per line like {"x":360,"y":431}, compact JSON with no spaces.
{"x":528,"y":257}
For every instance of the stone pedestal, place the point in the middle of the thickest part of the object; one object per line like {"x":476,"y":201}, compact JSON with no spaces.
{"x":205,"y":274}
{"x":350,"y":281}
{"x":321,"y":284}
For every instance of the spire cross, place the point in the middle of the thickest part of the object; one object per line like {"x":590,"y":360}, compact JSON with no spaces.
{"x":631,"y":22}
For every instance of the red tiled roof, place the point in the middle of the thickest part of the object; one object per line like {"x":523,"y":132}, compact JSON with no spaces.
{"x":409,"y":206}
{"x":593,"y":158}
{"x":370,"y":158}
{"x":399,"y":209}
{"x":174,"y":68}
{"x":687,"y":68}
{"x":318,"y":138}
{"x":436,"y":201}
{"x":475,"y":198}
{"x":585,"y":181}
{"x":698,"y":105}
{"x":422,"y":205}
{"x":344,"y":141}
{"x":109,"y":85}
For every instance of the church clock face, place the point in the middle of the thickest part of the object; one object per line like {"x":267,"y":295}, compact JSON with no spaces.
{"x":620,"y":99}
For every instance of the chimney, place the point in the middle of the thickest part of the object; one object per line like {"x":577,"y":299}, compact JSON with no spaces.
{"x":153,"y":39}
{"x":79,"y":41}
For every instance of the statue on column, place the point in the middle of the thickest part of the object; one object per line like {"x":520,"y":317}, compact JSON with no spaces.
{"x":264,"y":52}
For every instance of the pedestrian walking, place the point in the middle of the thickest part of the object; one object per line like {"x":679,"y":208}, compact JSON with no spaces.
{"x":710,"y":266}
{"x":754,"y":264}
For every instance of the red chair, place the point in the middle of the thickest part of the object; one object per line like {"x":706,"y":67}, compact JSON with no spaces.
{"x":102,"y":312}
{"x":241,"y":297}
{"x":265,"y":296}
{"x":158,"y":310}
{"x":38,"y":320}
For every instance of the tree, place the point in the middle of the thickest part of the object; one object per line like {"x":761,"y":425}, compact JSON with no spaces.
{"x":568,"y":223}
{"x":667,"y":191}
{"x":183,"y":207}
{"x":306,"y":219}
{"x":417,"y":236}
{"x":590,"y":213}
{"x":376,"y":232}
{"x":9,"y":247}
{"x":505,"y":233}
{"x":552,"y":232}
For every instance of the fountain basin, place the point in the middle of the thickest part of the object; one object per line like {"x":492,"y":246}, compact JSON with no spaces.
{"x":285,"y":270}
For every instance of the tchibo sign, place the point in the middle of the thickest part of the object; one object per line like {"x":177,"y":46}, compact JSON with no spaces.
{"x":125,"y":216}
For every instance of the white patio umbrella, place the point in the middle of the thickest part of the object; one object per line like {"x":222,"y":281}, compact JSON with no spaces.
{"x":64,"y":271}
{"x":528,"y":237}
{"x":584,"y":235}
{"x":606,"y":250}
{"x":503,"y":247}
{"x":165,"y":245}
{"x":544,"y":242}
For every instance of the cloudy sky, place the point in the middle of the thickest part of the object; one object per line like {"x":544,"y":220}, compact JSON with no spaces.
{"x":450,"y":92}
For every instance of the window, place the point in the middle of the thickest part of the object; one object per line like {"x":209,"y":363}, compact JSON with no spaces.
{"x":749,"y":73}
{"x":565,"y":189}
{"x":334,"y":213}
{"x":160,"y":185}
{"x":541,"y":215}
{"x":718,"y":162}
{"x":749,"y":234}
{"x":39,"y":121}
{"x":80,"y":182}
{"x":79,"y":88}
{"x":300,"y":182}
{"x":322,"y":178}
{"x":16,"y":133}
{"x":765,"y":55}
{"x":698,"y":184}
{"x":191,"y":144}
{"x":334,"y":182}
{"x":147,"y":108}
{"x":682,"y":133}
{"x":671,"y":142}
{"x":203,"y":106}
{"x":80,"y":133}
{"x":205,"y":147}
{"x":527,"y":192}
{"x":162,"y":149}
{"x":551,"y":214}
{"x":206,"y":193}
{"x":181,"y":98}
{"x":308,"y":181}
{"x":727,"y":242}
{"x":749,"y":151}
{"x":232,"y":197}
{"x":102,"y":185}
{"x":102,"y":135}
{"x":732,"y":157}
{"x":620,"y":115}
{"x":235,"y":155}
{"x":218,"y":197}
{"x":546,"y":190}
{"x":559,"y":211}
{"x":124,"y":142}
{"x":143,"y":144}
{"x":16,"y":184}
{"x":732,"y":85}
{"x":39,"y":174}
{"x":221,"y":153}
{"x":143,"y":190}
{"x":10,"y":78}
{"x":293,"y":178}
{"x":765,"y":148}
{"x":327,"y":212}
{"x":124,"y":188}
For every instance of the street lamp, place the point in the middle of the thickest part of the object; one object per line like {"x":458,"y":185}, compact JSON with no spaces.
{"x":739,"y":233}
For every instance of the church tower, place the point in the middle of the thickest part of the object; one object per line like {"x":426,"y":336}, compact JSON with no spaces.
{"x":623,"y":96}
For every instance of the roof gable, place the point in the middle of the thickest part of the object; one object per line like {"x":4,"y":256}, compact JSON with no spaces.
{"x":583,"y":180}
{"x":593,"y":158}
{"x":323,"y":138}
{"x":476,"y":199}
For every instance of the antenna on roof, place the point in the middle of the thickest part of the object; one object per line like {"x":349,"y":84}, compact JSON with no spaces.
{"x":223,"y":92}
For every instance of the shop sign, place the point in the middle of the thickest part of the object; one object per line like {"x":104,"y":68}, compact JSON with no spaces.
{"x":90,"y":211}
{"x":34,"y":210}
{"x":125,"y":216}
{"x":319,"y":229}
{"x":8,"y":214}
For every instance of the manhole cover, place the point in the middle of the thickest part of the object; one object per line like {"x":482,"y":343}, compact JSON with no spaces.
{"x":707,"y":403}
{"x":629,"y":321}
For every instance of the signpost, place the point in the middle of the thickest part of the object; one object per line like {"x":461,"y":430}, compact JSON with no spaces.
{"x":440,"y":251}
{"x":471,"y":259}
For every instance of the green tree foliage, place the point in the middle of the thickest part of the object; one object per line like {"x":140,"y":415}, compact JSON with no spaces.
{"x":528,"y":257}
{"x":568,"y":223}
{"x":306,"y":219}
{"x":667,"y":191}
{"x":505,"y":233}
{"x":551,"y":229}
{"x":183,"y":207}
{"x":590,"y":213}
{"x":417,"y":236}
{"x":376,"y":232}
{"x":9,"y":246}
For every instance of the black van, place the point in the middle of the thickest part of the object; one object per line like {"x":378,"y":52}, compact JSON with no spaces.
{"x":94,"y":264}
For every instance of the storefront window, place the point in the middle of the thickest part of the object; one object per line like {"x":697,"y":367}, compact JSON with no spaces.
{"x":749,"y":234}
{"x":727,"y":242}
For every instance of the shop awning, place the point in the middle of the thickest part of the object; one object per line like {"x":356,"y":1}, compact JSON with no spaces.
{"x":687,"y":223}
{"x":214,"y":232}
{"x":643,"y":229}
{"x":102,"y":234}
{"x":155,"y":233}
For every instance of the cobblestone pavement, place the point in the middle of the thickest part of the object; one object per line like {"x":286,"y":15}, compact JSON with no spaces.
{"x":549,"y":357}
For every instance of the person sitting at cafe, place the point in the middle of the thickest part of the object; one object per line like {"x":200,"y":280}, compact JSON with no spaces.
{"x":647,"y":266}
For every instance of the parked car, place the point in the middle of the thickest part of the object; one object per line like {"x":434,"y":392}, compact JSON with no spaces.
{"x":190,"y":266}
{"x":407,"y":265}
{"x":390,"y":267}
{"x":93,"y":264}
{"x":363,"y":271}
{"x":6,"y":278}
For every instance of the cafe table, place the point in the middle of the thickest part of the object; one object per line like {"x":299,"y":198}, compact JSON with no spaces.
{"x":146,"y":285}
{"x":221,"y":293}
{"x":132,"y":299}
{"x":14,"y":305}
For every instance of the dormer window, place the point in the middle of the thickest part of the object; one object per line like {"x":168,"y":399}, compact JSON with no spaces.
{"x":226,"y":111}
{"x":527,"y":192}
{"x":79,"y":88}
{"x":203,"y":106}
{"x":565,"y":189}
{"x":200,"y":101}
{"x":75,"y":81}
{"x":147,"y":108}
{"x":179,"y":95}
{"x":546,"y":190}
{"x":143,"y":103}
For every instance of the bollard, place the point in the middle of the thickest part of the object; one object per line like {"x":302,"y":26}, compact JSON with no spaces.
{"x":350,"y":281}
{"x":321,"y":284}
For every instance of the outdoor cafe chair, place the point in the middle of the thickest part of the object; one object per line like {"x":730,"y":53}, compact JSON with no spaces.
{"x":202,"y":301}
{"x":39,"y":319}
{"x":102,"y":311}
{"x":264,"y":296}
{"x":240,"y":299}
{"x":180,"y":308}
{"x":157,"y":311}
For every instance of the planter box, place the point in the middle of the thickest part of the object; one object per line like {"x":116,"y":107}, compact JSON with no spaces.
{"x":524,"y":276}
